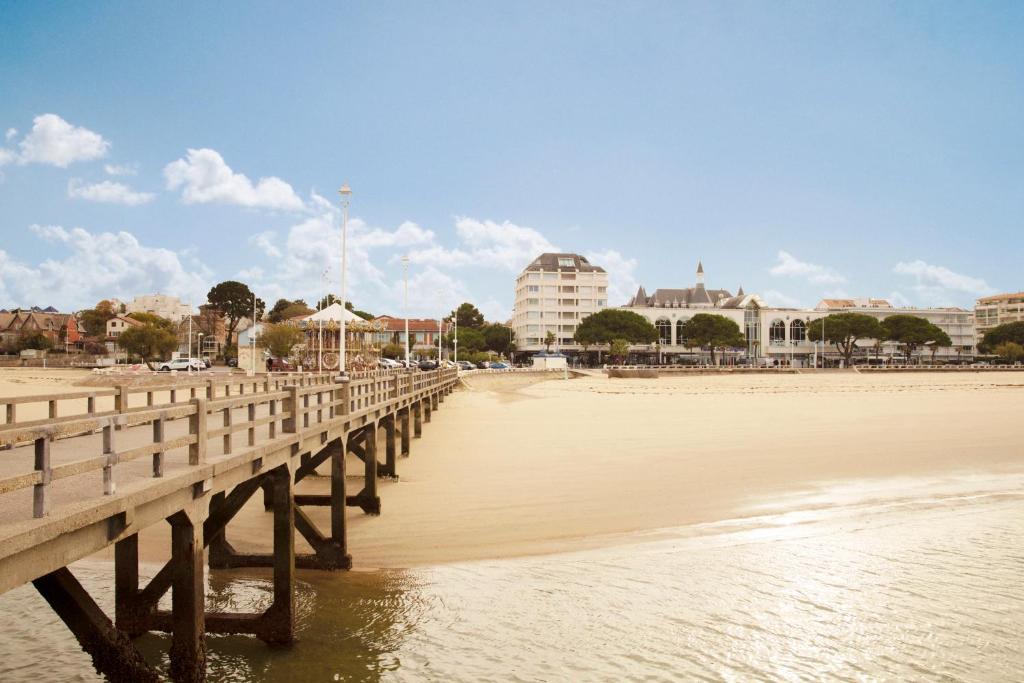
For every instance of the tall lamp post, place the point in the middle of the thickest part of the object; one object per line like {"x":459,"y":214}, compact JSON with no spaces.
{"x":320,"y":322}
{"x":405,"y":307}
{"x":440,"y":334}
{"x":252,"y":339}
{"x":346,"y":194}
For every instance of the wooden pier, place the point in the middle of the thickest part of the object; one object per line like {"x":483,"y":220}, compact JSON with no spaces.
{"x":105,"y":464}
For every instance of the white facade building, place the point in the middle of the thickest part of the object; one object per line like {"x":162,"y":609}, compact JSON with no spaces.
{"x":779,"y":335}
{"x":553,"y":294}
{"x":163,"y":305}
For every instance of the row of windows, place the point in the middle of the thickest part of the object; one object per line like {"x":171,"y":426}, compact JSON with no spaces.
{"x":554,"y":289}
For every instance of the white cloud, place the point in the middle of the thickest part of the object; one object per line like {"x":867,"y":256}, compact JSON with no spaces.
{"x":10,"y":134}
{"x":265,"y":242}
{"x":487,"y":244}
{"x":108,"y":192}
{"x":790,"y":266}
{"x":773,"y":297}
{"x":7,"y":156}
{"x":938,"y":285}
{"x":121,"y":169}
{"x":622,"y":282}
{"x":96,"y":266}
{"x":204,"y":177}
{"x":54,"y":141}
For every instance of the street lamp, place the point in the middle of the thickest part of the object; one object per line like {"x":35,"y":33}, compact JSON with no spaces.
{"x":346,"y":194}
{"x":440,"y":333}
{"x":199,"y":344}
{"x":320,"y":322}
{"x":405,"y":306}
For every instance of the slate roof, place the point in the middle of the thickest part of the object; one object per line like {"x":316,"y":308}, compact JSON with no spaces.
{"x":549,"y":261}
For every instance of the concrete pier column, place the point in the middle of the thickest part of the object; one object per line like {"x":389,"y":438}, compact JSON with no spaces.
{"x":428,"y":408}
{"x":188,"y":616}
{"x":406,"y":437}
{"x":339,"y":532}
{"x":434,"y":400}
{"x":417,"y":415}
{"x":370,"y":462}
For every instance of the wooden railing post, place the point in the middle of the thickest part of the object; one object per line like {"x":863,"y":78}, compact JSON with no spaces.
{"x":346,"y":395}
{"x":227,"y":434}
{"x":210,"y":390}
{"x":40,"y":502}
{"x":252,"y":425}
{"x":290,"y":409}
{"x":120,"y":401}
{"x":158,"y":438}
{"x":12,"y":413}
{"x":109,"y":487}
{"x":305,"y":411}
{"x":272,"y":426}
{"x":90,"y":405}
{"x":53,"y":409}
{"x":197,"y":428}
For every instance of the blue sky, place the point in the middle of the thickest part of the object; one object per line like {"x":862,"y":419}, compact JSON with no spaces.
{"x":799,"y":149}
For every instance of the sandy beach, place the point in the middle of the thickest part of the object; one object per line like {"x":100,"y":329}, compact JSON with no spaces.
{"x":516,"y":466}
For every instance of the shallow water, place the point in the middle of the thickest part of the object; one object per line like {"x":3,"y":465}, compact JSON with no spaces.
{"x":892,"y":580}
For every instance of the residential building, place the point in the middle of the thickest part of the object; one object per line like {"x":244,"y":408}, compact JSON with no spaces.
{"x":118,"y":324}
{"x":552,"y":295}
{"x":163,"y":305}
{"x":999,"y":309}
{"x":60,"y":328}
{"x":777,"y":335}
{"x":422,"y":332}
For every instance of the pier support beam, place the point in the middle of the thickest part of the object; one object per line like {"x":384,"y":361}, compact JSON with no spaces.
{"x":403,"y":416}
{"x":417,"y":417}
{"x":428,"y":408}
{"x":112,"y":651}
{"x":188,"y":613}
{"x":390,"y":447}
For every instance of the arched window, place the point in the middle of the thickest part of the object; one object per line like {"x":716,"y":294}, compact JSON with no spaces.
{"x":664,"y":332}
{"x":777,"y":333}
{"x":680,"y":337}
{"x":798,"y":331}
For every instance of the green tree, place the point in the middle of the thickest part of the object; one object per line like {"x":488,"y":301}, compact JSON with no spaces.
{"x":152,"y":319}
{"x":549,"y":339}
{"x":235,"y":301}
{"x":286,"y":310}
{"x":1007,"y":332}
{"x":279,"y":338}
{"x":614,"y":323}
{"x":941,"y":341}
{"x":843,"y":330}
{"x":470,"y":340}
{"x":149,"y":341}
{"x":94,"y":320}
{"x":35,"y":340}
{"x":618,"y":349}
{"x":393,"y":351}
{"x":714,"y":331}
{"x":911,"y":332}
{"x":468,"y":316}
{"x":1010,"y":351}
{"x":497,"y":337}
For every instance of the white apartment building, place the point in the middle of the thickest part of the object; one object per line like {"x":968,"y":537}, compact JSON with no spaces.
{"x":553,"y":294}
{"x":163,"y":305}
{"x":998,"y":309}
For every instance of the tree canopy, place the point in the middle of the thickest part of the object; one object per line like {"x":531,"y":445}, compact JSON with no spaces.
{"x":153,"y":319}
{"x":1011,"y":351}
{"x":35,"y":340}
{"x":613,"y":323}
{"x":1007,"y":332}
{"x":150,"y":340}
{"x":843,"y":330}
{"x":911,"y":332}
{"x":714,"y":331}
{"x":235,"y":301}
{"x":467,"y":316}
{"x":94,"y":320}
{"x":280,"y":338}
{"x":286,"y":310}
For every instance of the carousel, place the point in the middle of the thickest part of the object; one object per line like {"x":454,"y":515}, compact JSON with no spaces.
{"x":321,"y":348}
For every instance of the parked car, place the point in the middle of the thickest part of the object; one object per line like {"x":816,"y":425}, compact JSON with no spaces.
{"x":428,"y":365}
{"x":280,"y":365}
{"x":483,"y":365}
{"x":465,"y":365}
{"x":232,"y":362}
{"x":389,"y":364}
{"x":206,"y":363}
{"x":498,"y":365}
{"x":181,"y":364}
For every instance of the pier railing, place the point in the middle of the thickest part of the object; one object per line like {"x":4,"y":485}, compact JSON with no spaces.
{"x":270,"y":407}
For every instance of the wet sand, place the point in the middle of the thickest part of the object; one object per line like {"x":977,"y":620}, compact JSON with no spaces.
{"x":516,"y":467}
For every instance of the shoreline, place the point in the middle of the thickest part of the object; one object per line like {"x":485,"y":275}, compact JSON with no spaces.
{"x":525,"y":466}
